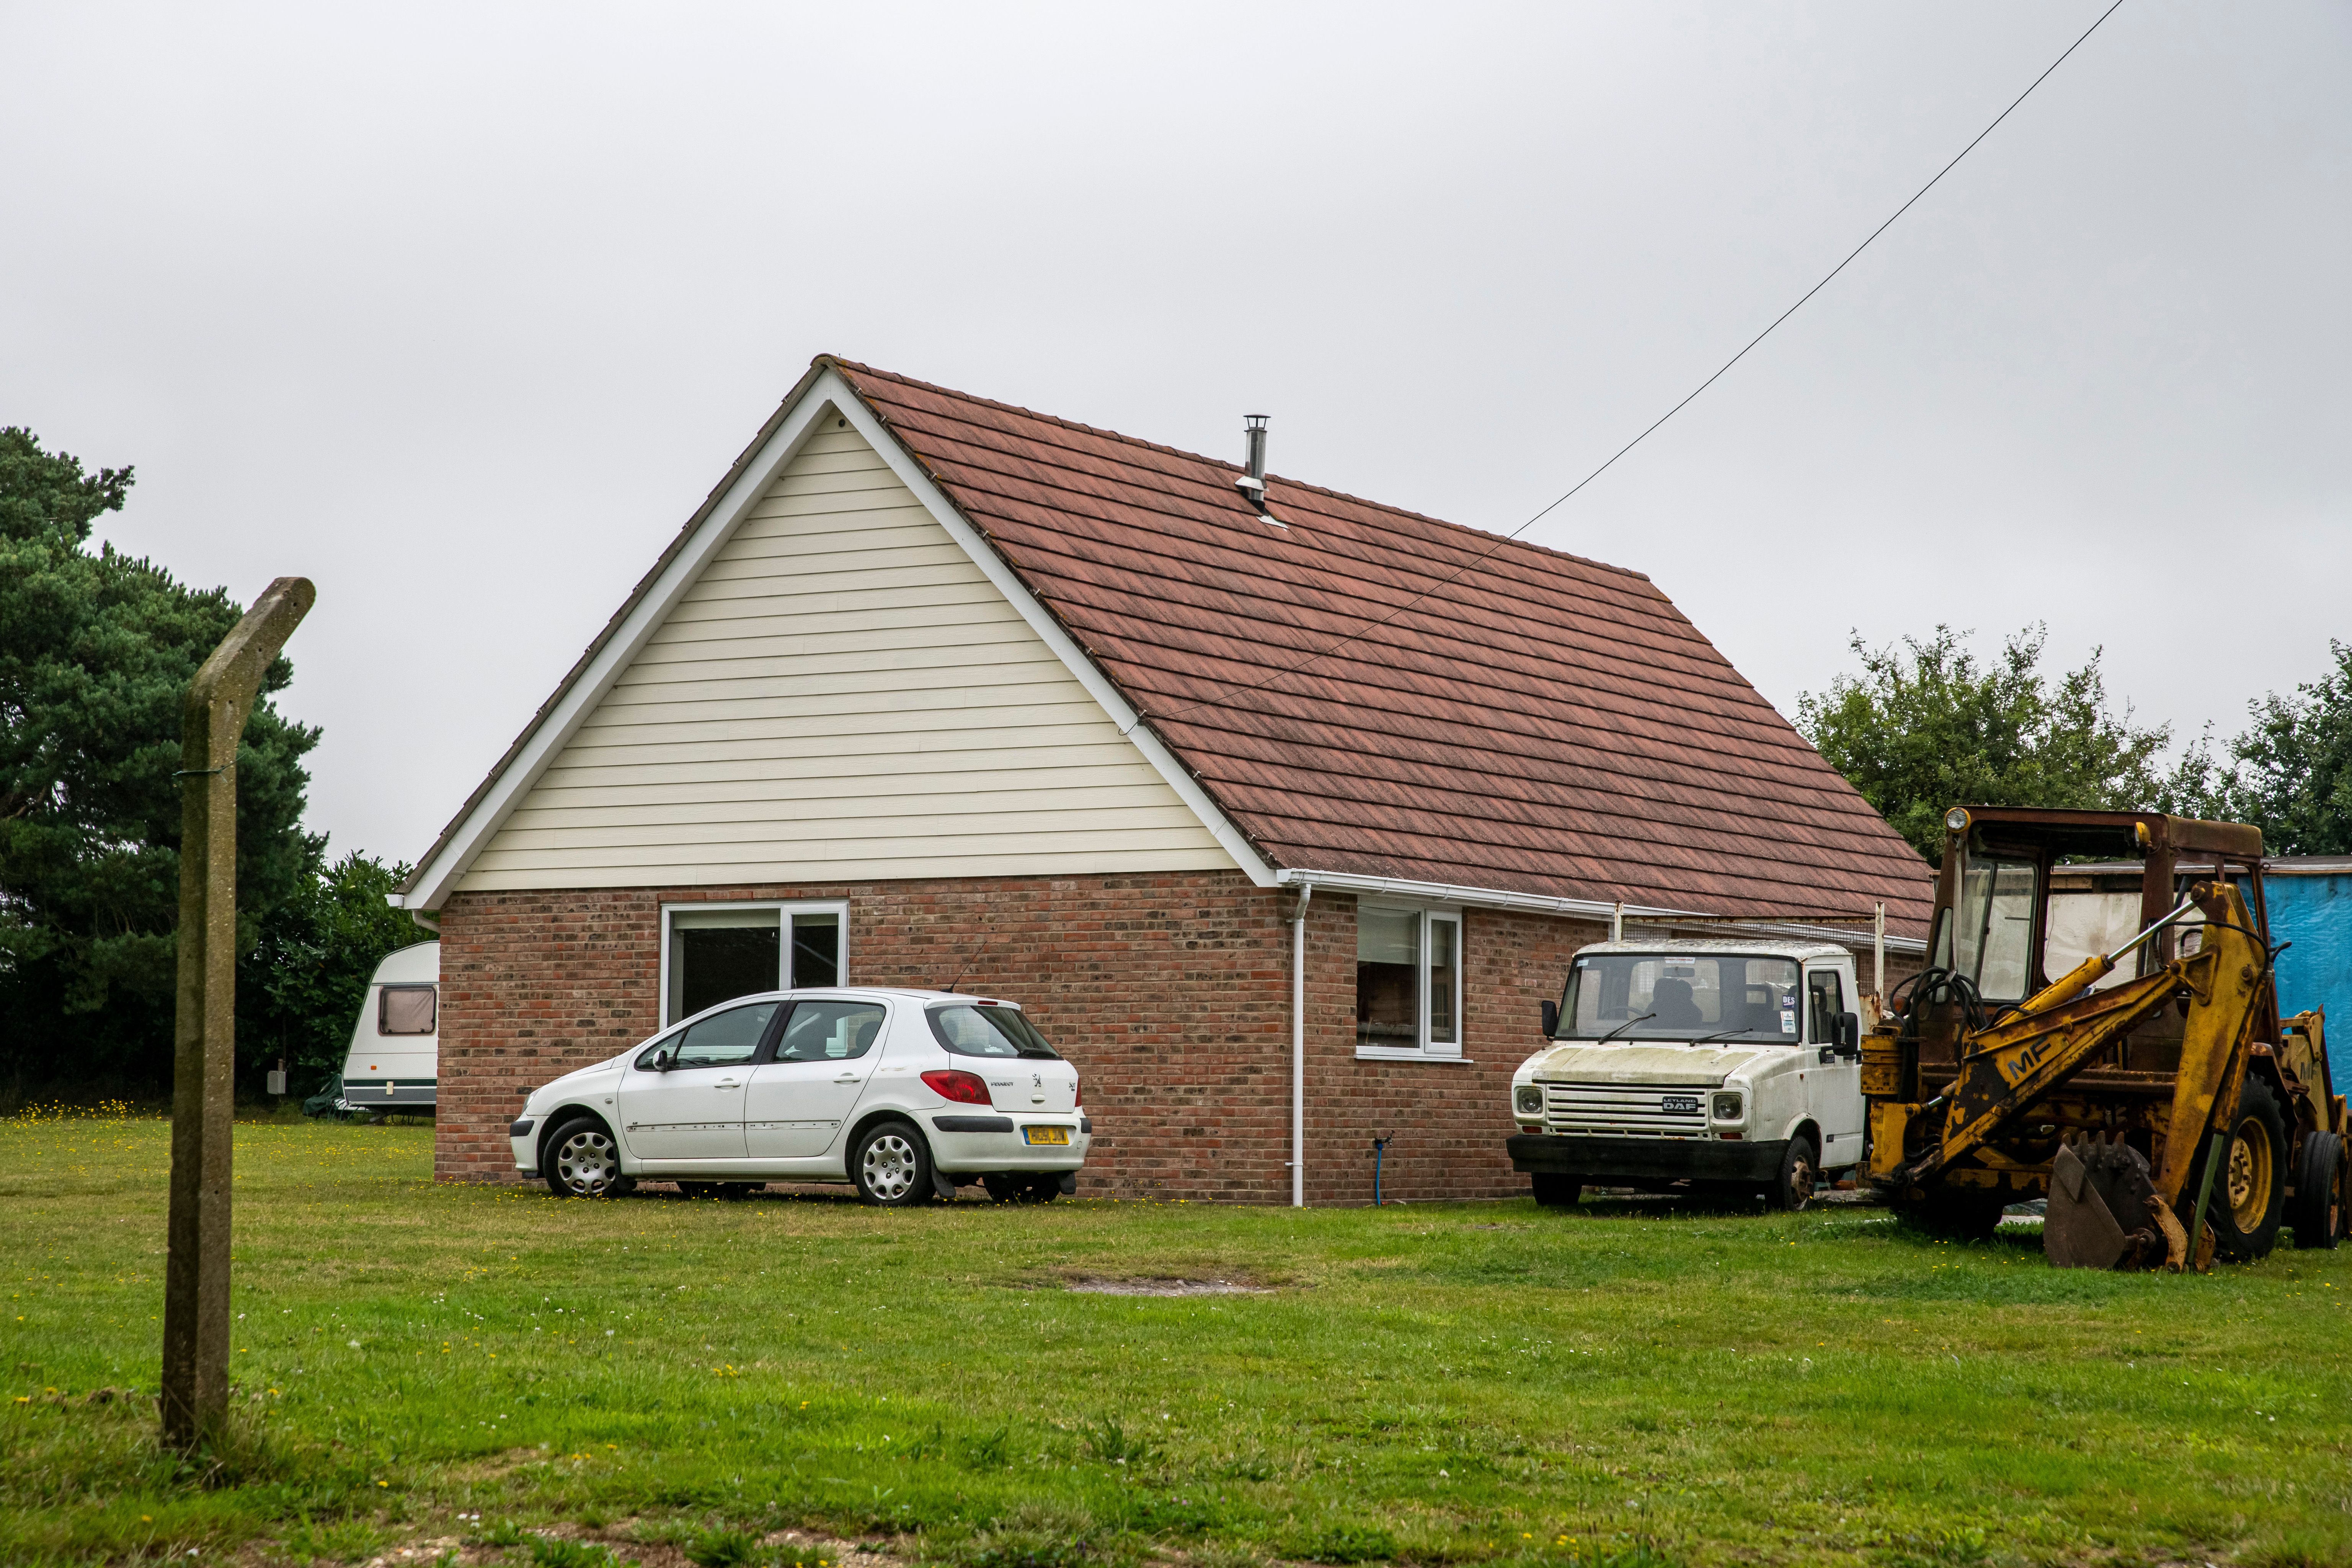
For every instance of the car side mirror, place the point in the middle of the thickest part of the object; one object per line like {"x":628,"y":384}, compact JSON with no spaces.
{"x":1849,"y":1036}
{"x":663,"y":1059}
{"x":1551,"y":1020}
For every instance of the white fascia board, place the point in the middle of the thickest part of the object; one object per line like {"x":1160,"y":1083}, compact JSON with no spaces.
{"x":436,"y":881}
{"x":1016,"y":593}
{"x":1541,"y":903}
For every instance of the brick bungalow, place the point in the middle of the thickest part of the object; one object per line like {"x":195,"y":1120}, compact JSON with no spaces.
{"x":932,"y":689}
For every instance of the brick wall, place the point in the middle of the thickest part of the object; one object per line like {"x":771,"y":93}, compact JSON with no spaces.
{"x":1171,"y":992}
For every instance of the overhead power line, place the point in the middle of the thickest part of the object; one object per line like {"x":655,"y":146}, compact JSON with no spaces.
{"x":1564,"y":496}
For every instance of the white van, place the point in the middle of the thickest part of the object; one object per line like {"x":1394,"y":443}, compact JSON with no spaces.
{"x":395,"y":1060}
{"x":1723,"y":1065}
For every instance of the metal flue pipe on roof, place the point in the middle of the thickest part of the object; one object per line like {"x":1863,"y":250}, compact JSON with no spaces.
{"x":1252,"y":485}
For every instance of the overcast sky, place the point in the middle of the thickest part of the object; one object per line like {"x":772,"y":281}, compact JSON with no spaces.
{"x":460,"y":311}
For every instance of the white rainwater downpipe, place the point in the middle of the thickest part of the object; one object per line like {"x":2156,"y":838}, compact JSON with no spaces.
{"x":1298,"y":1047}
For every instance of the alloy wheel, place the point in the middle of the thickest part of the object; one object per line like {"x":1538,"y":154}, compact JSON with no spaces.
{"x":890,"y":1167}
{"x":586,"y":1164}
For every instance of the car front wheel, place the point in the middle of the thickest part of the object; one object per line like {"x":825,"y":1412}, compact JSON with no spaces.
{"x":583,"y":1161}
{"x":892,"y":1166}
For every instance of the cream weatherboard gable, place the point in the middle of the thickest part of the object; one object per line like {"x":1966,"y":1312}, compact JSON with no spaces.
{"x":841,"y":693}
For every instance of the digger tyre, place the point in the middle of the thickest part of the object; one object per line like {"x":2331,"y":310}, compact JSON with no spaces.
{"x":2317,"y":1212}
{"x":2249,"y":1196}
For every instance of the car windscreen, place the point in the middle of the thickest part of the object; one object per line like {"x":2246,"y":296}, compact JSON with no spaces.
{"x":971,"y":1030}
{"x":1681,"y":996}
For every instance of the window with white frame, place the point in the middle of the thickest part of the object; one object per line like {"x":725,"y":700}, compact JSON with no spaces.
{"x":1408,"y":981}
{"x":713,"y":953}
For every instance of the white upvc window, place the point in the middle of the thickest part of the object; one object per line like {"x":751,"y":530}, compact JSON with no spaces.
{"x":1408,"y":979}
{"x":711,"y":952}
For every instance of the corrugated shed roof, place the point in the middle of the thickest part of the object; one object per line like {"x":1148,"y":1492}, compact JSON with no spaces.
{"x":1541,"y":724}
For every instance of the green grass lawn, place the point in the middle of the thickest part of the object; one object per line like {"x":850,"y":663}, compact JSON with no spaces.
{"x":1429,"y":1383}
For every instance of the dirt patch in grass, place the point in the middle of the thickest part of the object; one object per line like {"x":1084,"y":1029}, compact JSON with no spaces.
{"x":1099,"y":1285}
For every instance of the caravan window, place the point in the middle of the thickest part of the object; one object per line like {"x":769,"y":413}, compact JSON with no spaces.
{"x":406,"y":1010}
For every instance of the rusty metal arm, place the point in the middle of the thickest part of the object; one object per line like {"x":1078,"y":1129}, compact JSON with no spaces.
{"x":2019,"y":1061}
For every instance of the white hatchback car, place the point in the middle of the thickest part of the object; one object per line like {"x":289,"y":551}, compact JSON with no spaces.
{"x":906,"y":1095}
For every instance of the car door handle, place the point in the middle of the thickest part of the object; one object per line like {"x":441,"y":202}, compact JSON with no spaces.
{"x":846,"y":1078}
{"x":724,"y":1083}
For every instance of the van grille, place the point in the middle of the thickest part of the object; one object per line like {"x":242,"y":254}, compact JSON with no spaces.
{"x":1624,"y":1109}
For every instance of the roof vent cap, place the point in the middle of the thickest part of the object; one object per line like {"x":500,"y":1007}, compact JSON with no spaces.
{"x":1253,"y":484}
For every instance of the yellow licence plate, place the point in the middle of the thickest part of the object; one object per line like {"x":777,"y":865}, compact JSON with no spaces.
{"x":1048,"y":1134}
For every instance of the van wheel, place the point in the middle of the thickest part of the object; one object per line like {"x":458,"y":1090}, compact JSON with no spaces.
{"x":1801,"y":1172}
{"x":1555,"y":1191}
{"x":582,"y":1161}
{"x":892,"y":1166}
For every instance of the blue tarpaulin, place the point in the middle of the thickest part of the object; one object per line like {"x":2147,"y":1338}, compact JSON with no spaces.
{"x":2312,"y":909}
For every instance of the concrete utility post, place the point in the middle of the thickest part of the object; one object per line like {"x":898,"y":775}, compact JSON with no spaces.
{"x":196,"y":1274}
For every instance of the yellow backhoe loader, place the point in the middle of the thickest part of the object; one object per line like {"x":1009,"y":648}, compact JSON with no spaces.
{"x":2150,"y":1090}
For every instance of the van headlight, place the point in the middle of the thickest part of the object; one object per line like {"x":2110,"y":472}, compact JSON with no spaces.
{"x":1726,"y":1108}
{"x":1528,"y":1099}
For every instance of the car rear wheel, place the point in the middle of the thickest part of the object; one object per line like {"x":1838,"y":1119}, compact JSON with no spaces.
{"x":583,"y":1162}
{"x":892,"y":1166}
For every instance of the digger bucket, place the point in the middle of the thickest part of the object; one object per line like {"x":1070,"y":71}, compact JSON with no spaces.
{"x":2103,"y":1212}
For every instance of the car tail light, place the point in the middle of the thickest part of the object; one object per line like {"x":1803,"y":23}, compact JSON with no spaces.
{"x":1077,"y":1093}
{"x":951,"y":1084}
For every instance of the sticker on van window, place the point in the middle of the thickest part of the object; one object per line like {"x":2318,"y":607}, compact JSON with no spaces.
{"x":1789,"y":1021}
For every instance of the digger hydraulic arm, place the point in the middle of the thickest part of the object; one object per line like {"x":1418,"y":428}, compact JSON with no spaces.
{"x":2007,"y":1067}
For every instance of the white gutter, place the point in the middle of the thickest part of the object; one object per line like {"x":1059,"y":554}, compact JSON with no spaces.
{"x":1591,"y":908}
{"x":1299,"y":1046}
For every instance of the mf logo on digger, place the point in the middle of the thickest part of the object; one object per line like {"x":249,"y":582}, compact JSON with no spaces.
{"x":2027,"y":1058}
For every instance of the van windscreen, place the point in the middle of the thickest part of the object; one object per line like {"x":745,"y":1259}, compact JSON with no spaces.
{"x":1681,"y":996}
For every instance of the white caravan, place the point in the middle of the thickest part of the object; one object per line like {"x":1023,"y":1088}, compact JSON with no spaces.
{"x":395,"y":1060}
{"x":1728,"y":1065}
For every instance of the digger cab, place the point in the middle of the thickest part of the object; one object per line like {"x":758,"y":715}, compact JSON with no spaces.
{"x":2025,"y":895}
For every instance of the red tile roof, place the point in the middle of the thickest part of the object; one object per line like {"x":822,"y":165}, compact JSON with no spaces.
{"x":1541,"y":723}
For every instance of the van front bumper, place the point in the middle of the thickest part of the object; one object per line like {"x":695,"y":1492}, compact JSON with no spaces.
{"x":1599,"y":1159}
